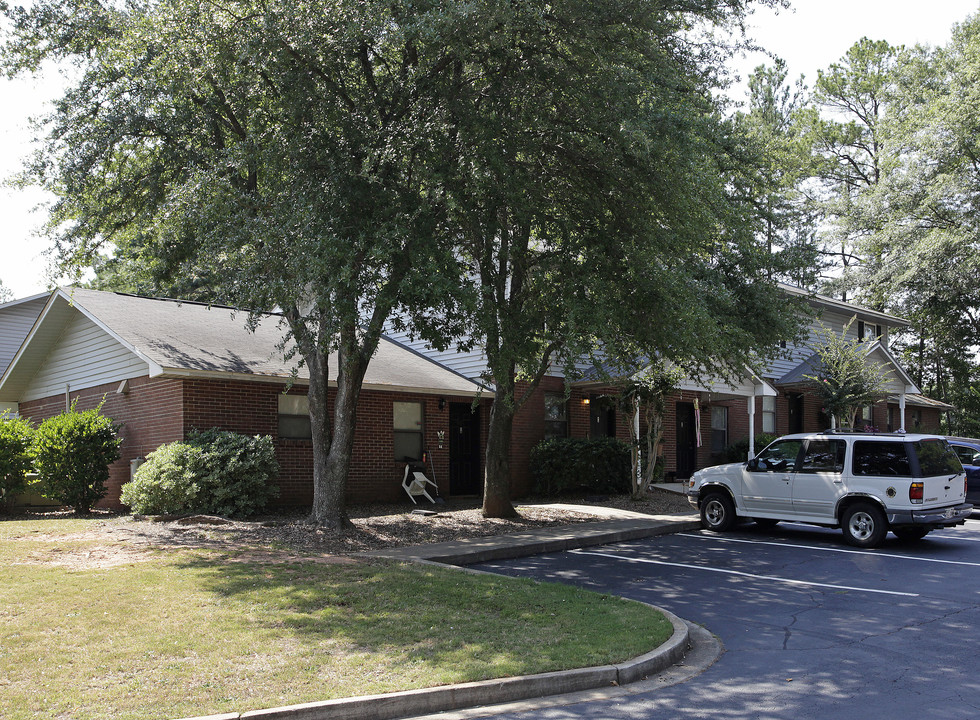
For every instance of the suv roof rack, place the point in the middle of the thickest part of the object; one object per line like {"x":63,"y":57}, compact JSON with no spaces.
{"x":838,"y":431}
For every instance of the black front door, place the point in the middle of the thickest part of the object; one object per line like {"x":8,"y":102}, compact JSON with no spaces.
{"x":464,"y":450}
{"x":602,"y":417}
{"x":794,"y":413}
{"x":687,"y":448}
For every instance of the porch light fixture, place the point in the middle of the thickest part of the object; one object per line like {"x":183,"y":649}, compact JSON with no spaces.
{"x":585,"y":401}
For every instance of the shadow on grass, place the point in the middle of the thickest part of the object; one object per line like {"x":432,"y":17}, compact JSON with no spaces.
{"x":458,"y":626}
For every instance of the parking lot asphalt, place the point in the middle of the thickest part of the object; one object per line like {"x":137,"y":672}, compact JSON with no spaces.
{"x":811,"y":627}
{"x":690,"y":644}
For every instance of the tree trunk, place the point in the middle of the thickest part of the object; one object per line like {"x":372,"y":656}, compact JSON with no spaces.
{"x":496,"y":490}
{"x":332,"y":455}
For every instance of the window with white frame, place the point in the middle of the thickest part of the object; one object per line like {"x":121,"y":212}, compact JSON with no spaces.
{"x":407,"y":426}
{"x":868,"y":331}
{"x":769,"y":415}
{"x":294,"y":417}
{"x":719,"y":429}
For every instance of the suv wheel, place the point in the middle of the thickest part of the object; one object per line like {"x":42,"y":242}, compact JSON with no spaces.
{"x":864,"y":525}
{"x":717,"y":512}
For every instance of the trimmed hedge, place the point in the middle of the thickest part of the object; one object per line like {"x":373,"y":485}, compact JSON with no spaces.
{"x":562,"y":466}
{"x":72,"y":453}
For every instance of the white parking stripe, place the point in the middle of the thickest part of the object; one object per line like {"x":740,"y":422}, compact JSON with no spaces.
{"x":772,"y":578}
{"x":957,"y":537}
{"x":719,"y":538}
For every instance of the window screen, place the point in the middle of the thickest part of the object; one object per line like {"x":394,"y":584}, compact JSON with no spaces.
{"x":768,"y":414}
{"x":719,"y":429}
{"x":888,"y":459}
{"x":294,"y":417}
{"x":408,"y":431}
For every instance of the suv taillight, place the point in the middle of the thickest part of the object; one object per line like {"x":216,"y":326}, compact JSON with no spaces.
{"x":915,"y":492}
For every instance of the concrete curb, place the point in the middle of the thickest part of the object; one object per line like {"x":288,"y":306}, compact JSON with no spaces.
{"x":515,"y":545}
{"x":487,"y":692}
{"x":425,"y":701}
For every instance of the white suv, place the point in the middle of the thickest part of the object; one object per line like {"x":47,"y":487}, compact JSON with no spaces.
{"x":864,"y":483}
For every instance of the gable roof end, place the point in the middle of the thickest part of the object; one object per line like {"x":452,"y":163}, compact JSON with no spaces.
{"x":185,"y":339}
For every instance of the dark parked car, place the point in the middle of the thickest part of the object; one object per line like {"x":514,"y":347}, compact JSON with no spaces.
{"x":968,"y":451}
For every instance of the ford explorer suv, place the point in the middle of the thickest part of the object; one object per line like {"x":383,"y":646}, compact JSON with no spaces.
{"x":864,"y":483}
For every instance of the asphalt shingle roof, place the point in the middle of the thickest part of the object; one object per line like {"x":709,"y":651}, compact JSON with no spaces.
{"x":191,"y":338}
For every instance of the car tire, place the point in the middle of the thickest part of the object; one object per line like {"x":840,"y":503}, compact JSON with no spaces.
{"x":910,"y":534}
{"x":766,"y":523}
{"x":717,"y":512}
{"x":864,"y":525}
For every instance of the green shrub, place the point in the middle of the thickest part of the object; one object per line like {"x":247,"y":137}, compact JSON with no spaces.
{"x":568,"y":465}
{"x":237,"y":472}
{"x":739,"y":451}
{"x":167,"y":482}
{"x":215,"y":472}
{"x":72,"y":453}
{"x":15,"y":457}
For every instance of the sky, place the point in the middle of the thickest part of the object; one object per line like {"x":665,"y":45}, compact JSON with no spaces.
{"x":809,"y":36}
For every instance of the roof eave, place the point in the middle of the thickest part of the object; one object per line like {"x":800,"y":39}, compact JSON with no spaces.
{"x":860,"y":311}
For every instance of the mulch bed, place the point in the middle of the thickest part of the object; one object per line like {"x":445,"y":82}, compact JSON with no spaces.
{"x":373,"y":526}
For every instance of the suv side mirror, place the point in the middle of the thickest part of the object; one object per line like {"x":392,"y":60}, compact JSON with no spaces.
{"x":753,"y":465}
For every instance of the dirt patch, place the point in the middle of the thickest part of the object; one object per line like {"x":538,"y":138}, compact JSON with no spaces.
{"x":289,"y":537}
{"x":99,"y":557}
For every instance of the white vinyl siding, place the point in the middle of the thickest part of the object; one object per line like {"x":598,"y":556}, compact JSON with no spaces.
{"x":85,"y":356}
{"x":795,"y":354}
{"x":471,"y":364}
{"x":16,"y":321}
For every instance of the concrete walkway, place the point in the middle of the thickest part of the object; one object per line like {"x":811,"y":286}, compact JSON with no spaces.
{"x":620,"y":525}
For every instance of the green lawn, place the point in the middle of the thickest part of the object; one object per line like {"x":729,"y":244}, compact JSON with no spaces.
{"x":198,"y":633}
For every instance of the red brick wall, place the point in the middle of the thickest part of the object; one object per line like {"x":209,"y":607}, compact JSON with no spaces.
{"x":157,"y":411}
{"x":150,"y":414}
{"x":528,"y":431}
{"x":375,"y":476}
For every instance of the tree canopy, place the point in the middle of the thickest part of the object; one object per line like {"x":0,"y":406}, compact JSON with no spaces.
{"x":891,"y":187}
{"x":543,"y":180}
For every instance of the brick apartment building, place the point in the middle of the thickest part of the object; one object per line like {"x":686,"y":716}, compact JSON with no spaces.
{"x":161,"y":368}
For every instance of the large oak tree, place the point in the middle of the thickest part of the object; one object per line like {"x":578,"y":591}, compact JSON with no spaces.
{"x":539,"y":178}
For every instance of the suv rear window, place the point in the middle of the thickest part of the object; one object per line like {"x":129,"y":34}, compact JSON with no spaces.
{"x":936,"y":458}
{"x":881,"y":458}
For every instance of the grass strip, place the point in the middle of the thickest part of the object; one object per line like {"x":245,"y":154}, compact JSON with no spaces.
{"x":178,"y":633}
